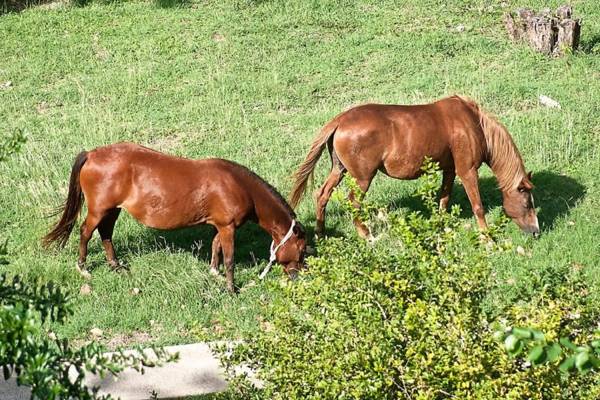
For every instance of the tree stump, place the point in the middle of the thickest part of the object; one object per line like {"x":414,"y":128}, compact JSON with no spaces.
{"x":547,"y":32}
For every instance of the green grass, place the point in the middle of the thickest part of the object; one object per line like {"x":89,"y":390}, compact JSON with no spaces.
{"x":253,"y":81}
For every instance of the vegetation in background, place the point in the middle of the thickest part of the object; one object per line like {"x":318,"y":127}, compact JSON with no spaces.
{"x":253,"y":81}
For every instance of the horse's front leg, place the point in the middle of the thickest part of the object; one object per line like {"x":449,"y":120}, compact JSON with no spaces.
{"x":226,"y":237}
{"x":470,"y":181}
{"x":446,"y":190}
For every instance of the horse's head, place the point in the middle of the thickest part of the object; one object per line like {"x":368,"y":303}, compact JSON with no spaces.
{"x":518,"y":205}
{"x":291,"y":254}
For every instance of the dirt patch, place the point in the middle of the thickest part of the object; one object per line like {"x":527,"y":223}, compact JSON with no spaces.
{"x":128,"y":339}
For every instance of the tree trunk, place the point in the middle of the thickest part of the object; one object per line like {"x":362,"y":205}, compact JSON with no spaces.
{"x":551,"y":34}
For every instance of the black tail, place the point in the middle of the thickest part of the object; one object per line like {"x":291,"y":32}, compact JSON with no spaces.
{"x":70,"y":210}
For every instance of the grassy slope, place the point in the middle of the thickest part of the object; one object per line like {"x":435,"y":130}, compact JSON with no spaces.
{"x":253,"y":83}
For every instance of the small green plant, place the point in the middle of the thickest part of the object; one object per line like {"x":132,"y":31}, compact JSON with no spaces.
{"x":532,"y":342}
{"x":11,"y":144}
{"x":45,"y":363}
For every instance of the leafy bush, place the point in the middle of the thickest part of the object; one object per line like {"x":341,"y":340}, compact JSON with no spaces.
{"x":48,"y":365}
{"x":398,"y":318}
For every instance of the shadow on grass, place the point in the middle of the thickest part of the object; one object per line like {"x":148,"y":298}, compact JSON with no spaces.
{"x":171,"y":3}
{"x":591,"y":45}
{"x":554,"y":194}
{"x":251,"y":243}
{"x":8,"y":6}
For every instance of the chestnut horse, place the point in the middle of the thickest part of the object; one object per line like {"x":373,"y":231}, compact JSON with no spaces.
{"x":395,"y":139}
{"x":166,"y":192}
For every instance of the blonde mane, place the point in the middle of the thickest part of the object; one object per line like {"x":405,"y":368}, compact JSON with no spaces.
{"x":502,"y":155}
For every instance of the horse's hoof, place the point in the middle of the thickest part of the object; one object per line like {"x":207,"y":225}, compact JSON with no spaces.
{"x":365,"y":234}
{"x":118,"y":266}
{"x":214,"y":271}
{"x":82,"y":271}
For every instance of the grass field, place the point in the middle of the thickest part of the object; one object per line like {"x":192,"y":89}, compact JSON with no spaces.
{"x":253,"y":81}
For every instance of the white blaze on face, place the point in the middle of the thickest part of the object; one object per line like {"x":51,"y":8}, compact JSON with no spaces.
{"x":537,"y":225}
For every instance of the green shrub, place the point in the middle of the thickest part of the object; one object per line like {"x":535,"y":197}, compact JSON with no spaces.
{"x":398,"y":318}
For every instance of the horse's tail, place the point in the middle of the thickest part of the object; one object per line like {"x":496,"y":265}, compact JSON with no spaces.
{"x":70,"y":210}
{"x":308,"y":166}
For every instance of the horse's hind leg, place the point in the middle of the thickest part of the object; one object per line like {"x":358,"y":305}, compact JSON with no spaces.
{"x":88,"y":227}
{"x":361,"y":228}
{"x":323,"y":195}
{"x":106,"y":228}
{"x":215,"y":258}
{"x":446,"y":190}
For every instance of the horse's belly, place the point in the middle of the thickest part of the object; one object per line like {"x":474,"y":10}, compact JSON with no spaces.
{"x":405,"y":166}
{"x":402,"y":168}
{"x":155,"y":214}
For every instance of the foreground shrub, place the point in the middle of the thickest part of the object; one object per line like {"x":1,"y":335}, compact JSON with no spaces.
{"x":398,"y":318}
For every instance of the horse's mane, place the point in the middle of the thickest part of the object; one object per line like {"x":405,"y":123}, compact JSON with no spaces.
{"x":266,"y":185}
{"x":503,"y":157}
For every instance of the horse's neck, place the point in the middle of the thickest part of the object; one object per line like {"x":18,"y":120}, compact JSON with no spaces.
{"x":274,"y":219}
{"x":505,"y":160}
{"x":508,"y":171}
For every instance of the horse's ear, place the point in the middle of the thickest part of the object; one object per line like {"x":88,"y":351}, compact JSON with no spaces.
{"x":526,"y":183}
{"x":298,"y":231}
{"x":530,"y":175}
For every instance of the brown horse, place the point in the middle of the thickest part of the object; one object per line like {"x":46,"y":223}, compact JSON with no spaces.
{"x":166,"y":192}
{"x":395,"y":139}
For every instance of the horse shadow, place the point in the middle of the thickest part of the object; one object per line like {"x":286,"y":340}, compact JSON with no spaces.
{"x":554,"y":194}
{"x":252,"y":243}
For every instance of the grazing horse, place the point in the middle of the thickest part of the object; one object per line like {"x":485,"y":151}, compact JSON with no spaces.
{"x":395,"y":139}
{"x":166,"y":192}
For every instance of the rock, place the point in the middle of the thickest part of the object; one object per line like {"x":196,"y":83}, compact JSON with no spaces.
{"x":520,"y":251}
{"x":217,"y":37}
{"x":96,"y":332}
{"x":548,"y":102}
{"x":5,"y":85}
{"x":85,"y":289}
{"x":135,"y":291}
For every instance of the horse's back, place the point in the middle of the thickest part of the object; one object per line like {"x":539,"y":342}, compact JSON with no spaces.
{"x":164,"y":191}
{"x":396,"y":138}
